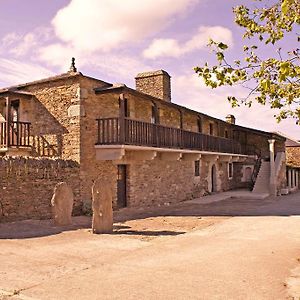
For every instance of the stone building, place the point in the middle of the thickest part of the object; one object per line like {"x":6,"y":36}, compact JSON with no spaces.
{"x":76,"y":128}
{"x":292,"y":163}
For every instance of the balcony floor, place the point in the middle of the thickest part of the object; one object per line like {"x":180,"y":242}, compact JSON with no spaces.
{"x":131,"y":153}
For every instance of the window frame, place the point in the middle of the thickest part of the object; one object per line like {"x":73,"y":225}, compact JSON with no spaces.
{"x":197,"y":168}
{"x":230,"y":170}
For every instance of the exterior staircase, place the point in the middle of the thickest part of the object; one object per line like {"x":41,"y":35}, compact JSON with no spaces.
{"x":262,"y":182}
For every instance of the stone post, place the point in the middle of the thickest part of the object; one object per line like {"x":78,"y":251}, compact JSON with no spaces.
{"x":62,"y":204}
{"x":272,"y":168}
{"x":102,"y":207}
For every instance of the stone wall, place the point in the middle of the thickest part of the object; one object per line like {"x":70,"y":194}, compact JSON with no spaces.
{"x":293,"y":156}
{"x":95,"y":106}
{"x":158,"y":182}
{"x":27,"y":184}
{"x":52,"y":126}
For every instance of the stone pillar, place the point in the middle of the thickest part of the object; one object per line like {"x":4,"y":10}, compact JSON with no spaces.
{"x":273,"y":190}
{"x":297,"y":179}
{"x":102,"y":207}
{"x":290,"y":179}
{"x":62,"y":204}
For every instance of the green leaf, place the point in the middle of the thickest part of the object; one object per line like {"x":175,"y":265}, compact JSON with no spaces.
{"x":285,"y":7}
{"x":222,"y":46}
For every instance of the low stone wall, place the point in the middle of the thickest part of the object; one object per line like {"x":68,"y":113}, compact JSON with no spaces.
{"x":27,"y":184}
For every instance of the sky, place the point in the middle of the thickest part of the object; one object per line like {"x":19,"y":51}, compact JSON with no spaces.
{"x":114,"y":40}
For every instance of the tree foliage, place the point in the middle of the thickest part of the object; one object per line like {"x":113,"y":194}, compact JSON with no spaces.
{"x":273,"y":80}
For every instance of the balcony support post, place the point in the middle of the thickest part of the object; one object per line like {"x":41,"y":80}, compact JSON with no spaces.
{"x":8,"y":121}
{"x":122,"y":118}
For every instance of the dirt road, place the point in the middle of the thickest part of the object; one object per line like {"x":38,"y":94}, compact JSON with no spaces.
{"x":232,"y":249}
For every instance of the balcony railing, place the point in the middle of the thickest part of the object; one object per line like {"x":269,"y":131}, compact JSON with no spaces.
{"x":120,"y":131}
{"x":16,"y":134}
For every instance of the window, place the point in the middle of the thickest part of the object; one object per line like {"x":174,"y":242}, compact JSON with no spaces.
{"x":197,"y":168}
{"x":226,"y":134}
{"x":199,"y":125}
{"x":230,"y":170}
{"x":155,"y":115}
{"x":126,"y":107}
{"x":211,"y":129}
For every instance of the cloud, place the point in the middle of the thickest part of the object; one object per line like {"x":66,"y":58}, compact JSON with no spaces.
{"x":172,"y":47}
{"x":189,"y":90}
{"x":22,"y":45}
{"x":15,"y":71}
{"x":92,"y":25}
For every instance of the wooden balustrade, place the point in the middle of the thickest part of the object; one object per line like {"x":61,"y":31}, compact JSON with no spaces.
{"x":17,"y":134}
{"x":133,"y":132}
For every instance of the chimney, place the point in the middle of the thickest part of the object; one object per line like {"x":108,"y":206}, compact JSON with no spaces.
{"x":230,"y":119}
{"x":156,"y":84}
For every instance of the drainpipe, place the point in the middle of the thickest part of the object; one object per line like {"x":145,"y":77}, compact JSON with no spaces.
{"x":272,"y":168}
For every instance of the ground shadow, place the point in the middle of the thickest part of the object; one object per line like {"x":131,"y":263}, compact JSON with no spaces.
{"x":149,"y":233}
{"x":39,"y":228}
{"x":234,"y":207}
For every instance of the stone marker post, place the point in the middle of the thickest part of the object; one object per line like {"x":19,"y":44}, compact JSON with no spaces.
{"x":62,"y":204}
{"x":102,"y":207}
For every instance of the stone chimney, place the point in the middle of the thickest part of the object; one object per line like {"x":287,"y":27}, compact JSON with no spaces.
{"x":156,"y":84}
{"x":230,"y":119}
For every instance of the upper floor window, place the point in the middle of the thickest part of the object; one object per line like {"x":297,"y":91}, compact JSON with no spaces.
{"x":15,"y":110}
{"x":197,"y":167}
{"x":154,"y":114}
{"x":199,"y":124}
{"x":211,"y":128}
{"x":126,"y":107}
{"x":226,"y":134}
{"x":230,"y":170}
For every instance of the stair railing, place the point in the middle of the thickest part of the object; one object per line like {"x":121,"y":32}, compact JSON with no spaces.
{"x":255,"y":172}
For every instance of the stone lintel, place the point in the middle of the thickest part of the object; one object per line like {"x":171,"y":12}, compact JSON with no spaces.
{"x":242,"y":159}
{"x":225,"y":158}
{"x":140,"y":155}
{"x":110,"y":154}
{"x":236,"y":159}
{"x":190,"y":156}
{"x":210,"y":158}
{"x":170,"y":156}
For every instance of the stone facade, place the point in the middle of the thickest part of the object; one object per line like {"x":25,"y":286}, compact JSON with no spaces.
{"x":293,"y":156}
{"x":26,"y":186}
{"x":63,"y":113}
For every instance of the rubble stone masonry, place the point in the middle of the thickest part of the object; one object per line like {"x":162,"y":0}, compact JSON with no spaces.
{"x":27,"y":184}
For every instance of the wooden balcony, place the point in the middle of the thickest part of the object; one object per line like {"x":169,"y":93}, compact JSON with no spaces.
{"x":125,"y":131}
{"x":14,"y":135}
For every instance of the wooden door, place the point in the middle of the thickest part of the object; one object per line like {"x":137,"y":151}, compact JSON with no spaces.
{"x":213,"y":179}
{"x":121,"y":186}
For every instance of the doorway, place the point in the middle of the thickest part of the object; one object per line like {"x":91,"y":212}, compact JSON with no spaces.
{"x":121,"y":186}
{"x":213,"y":179}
